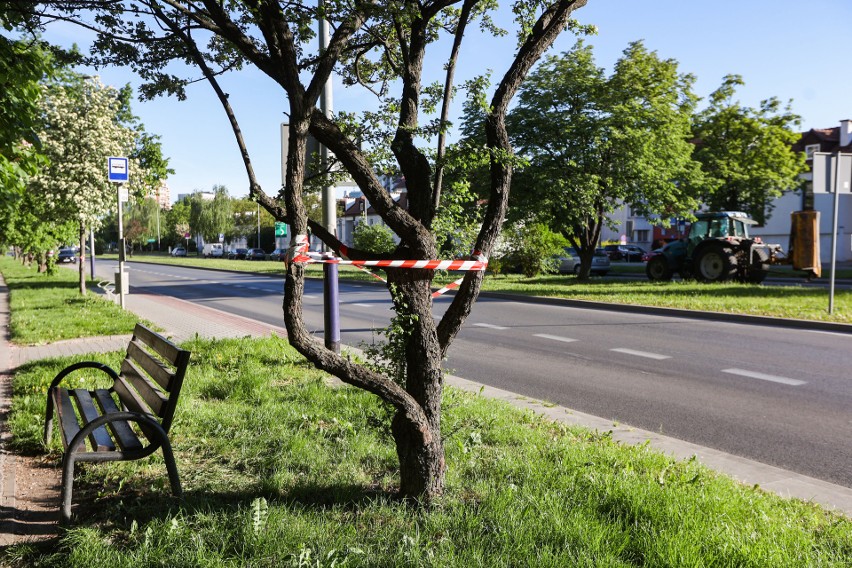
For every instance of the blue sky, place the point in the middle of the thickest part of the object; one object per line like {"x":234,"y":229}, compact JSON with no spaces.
{"x":784,"y":48}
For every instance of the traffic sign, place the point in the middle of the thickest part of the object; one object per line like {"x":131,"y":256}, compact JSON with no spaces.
{"x":118,"y":169}
{"x":280,"y":229}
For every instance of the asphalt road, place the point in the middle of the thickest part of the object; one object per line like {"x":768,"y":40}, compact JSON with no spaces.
{"x":779,"y":396}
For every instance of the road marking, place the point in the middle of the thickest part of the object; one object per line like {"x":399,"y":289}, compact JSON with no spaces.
{"x":645,"y":354}
{"x":489,"y":326}
{"x":764,"y":377}
{"x":364,"y":305}
{"x":554,"y":337}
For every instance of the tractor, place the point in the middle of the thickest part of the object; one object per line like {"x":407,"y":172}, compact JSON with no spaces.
{"x":717,"y":249}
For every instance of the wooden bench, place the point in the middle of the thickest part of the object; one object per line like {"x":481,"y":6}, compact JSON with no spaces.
{"x":128,"y":421}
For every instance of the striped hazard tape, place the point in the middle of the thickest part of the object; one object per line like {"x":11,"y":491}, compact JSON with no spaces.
{"x":298,"y":253}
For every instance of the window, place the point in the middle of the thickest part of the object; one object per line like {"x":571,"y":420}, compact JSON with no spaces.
{"x":809,"y":151}
{"x":642,"y":236}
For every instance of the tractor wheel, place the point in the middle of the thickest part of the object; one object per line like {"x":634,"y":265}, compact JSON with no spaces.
{"x":759,"y":266}
{"x":658,"y":269}
{"x":715,"y":263}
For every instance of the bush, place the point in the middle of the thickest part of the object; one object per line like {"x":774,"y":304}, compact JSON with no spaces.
{"x":535,"y":248}
{"x":373,"y":238}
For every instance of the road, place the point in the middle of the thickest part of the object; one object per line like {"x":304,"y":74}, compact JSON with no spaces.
{"x":779,"y":396}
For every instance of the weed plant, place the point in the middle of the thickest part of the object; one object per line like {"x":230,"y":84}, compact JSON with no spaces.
{"x":46,"y":308}
{"x":281,"y":468}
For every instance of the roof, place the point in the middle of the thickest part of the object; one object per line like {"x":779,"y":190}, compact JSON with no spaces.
{"x":827,"y":138}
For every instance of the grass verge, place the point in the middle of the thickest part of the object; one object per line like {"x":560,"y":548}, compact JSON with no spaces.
{"x":279,"y":469}
{"x":46,"y":308}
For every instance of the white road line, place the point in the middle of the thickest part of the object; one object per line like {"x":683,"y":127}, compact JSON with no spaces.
{"x":765,"y":377}
{"x":489,"y":326}
{"x":645,"y":354}
{"x":364,"y":305}
{"x":554,"y":337}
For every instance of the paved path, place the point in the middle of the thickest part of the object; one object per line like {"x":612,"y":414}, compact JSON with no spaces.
{"x":182,"y":320}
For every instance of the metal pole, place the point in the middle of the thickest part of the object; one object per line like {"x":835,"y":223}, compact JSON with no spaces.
{"x":121,"y":250}
{"x":92,"y":251}
{"x":834,"y":223}
{"x":332,"y":311}
{"x":329,"y":203}
{"x":158,"y":220}
{"x":258,"y":226}
{"x":331,"y":308}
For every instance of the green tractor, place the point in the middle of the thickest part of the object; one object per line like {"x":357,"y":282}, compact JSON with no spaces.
{"x":717,"y":249}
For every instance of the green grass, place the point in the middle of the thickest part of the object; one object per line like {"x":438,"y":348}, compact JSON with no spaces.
{"x":46,"y":308}
{"x":279,"y":469}
{"x":797,"y":302}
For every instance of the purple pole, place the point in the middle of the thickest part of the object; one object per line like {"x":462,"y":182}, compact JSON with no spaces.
{"x":331,"y":307}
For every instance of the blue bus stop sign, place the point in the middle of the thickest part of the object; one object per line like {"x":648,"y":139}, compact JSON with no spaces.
{"x":118,"y":169}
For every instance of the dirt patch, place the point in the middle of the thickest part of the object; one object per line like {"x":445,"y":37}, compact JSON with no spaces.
{"x":33,"y":514}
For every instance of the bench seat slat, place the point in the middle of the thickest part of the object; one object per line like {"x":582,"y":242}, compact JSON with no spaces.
{"x":150,"y":394}
{"x":152,"y":366}
{"x":124,"y":434}
{"x":99,"y":438}
{"x":69,"y":426}
{"x":131,"y":401}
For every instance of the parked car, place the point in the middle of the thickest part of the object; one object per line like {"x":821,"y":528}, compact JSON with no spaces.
{"x":66,"y":255}
{"x":237,"y":254}
{"x":255,"y":254}
{"x":179,"y":251}
{"x":570,"y":262}
{"x":214,"y":250}
{"x":278,"y":254}
{"x":630,"y":253}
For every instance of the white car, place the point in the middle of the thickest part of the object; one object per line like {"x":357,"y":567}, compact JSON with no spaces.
{"x":179,"y":251}
{"x":569,"y":263}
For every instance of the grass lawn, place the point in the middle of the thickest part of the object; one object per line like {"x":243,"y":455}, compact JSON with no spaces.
{"x":797,"y":302}
{"x":280,"y":469}
{"x":46,"y":308}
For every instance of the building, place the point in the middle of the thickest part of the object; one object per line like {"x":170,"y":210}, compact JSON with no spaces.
{"x":821,"y":147}
{"x":357,"y":209}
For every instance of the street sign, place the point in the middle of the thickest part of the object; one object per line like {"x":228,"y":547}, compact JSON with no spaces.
{"x":280,"y":229}
{"x":118,"y":169}
{"x":152,"y":241}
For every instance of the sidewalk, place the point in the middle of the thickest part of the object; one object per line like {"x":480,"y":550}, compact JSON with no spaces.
{"x":29,"y":511}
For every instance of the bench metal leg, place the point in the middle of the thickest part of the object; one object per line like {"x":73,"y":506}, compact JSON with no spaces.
{"x":171,"y":467}
{"x":48,"y":420}
{"x":68,"y":463}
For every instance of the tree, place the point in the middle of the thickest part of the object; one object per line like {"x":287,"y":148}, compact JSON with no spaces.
{"x":746,"y":153}
{"x":210,"y":217}
{"x":80,"y":128}
{"x":595,"y":143}
{"x":379,"y":46}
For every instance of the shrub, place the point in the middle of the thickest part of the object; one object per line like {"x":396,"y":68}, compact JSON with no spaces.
{"x":373,"y":238}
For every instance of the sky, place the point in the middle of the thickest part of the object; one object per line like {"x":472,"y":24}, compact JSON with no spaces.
{"x":789,"y":49}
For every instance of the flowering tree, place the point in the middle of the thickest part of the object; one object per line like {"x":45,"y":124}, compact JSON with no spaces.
{"x":81,"y":129}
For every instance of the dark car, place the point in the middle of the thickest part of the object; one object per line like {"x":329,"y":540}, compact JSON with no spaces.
{"x":613,"y":251}
{"x":66,"y":255}
{"x":278,"y":254}
{"x":237,"y":254}
{"x":632,"y":253}
{"x":255,"y":254}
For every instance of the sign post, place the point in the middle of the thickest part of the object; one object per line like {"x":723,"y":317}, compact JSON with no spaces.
{"x":118,"y":172}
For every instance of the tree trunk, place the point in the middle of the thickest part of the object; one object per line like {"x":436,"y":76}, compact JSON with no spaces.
{"x":419,"y":445}
{"x":81,"y":260}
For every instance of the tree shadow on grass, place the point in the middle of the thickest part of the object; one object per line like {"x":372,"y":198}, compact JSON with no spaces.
{"x":113,"y":506}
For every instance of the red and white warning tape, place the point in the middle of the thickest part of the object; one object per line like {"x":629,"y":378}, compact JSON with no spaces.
{"x":298,"y":253}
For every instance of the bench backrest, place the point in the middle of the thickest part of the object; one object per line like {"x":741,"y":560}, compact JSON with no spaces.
{"x":151,"y":375}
